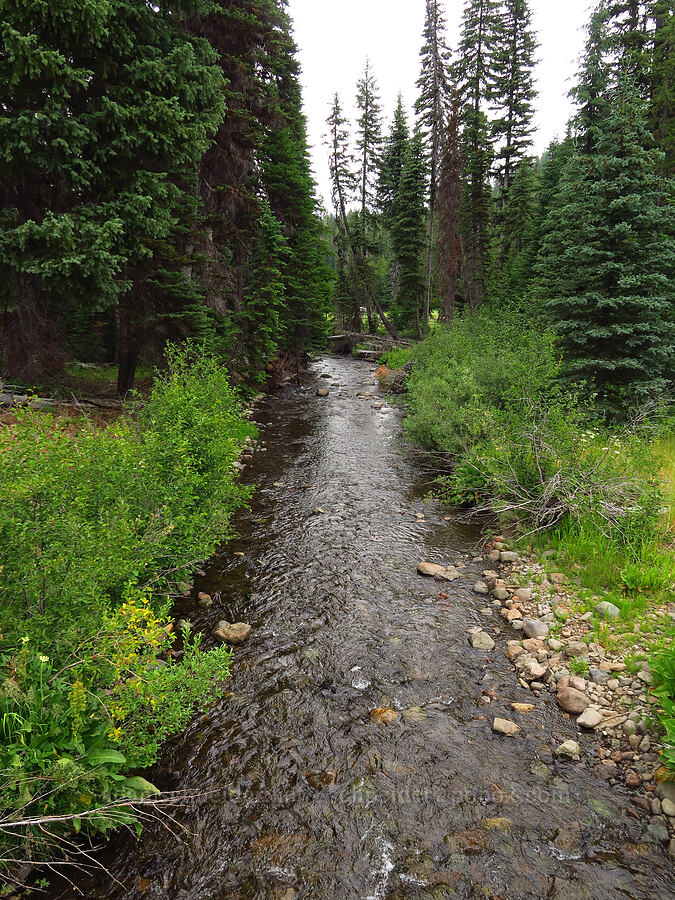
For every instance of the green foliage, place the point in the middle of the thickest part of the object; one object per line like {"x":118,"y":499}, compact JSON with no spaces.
{"x":663,"y":669}
{"x":579,"y":666}
{"x":397,"y":358}
{"x":96,"y":527}
{"x":608,"y":260}
{"x":407,"y":235}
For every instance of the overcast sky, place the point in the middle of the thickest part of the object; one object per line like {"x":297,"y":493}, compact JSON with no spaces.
{"x":336,"y":36}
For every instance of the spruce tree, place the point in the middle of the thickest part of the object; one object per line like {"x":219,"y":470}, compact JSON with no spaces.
{"x":514,"y":90}
{"x":432,"y":108}
{"x":407,"y":234}
{"x":107,"y":109}
{"x":662,"y":87}
{"x":608,"y":260}
{"x":287,"y":180}
{"x":368,"y":146}
{"x":449,"y":206}
{"x":593,"y":81}
{"x":475,"y":75}
{"x":518,"y":232}
{"x":389,"y":180}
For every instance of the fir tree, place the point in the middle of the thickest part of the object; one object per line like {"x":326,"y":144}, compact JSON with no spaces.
{"x":286,"y":176}
{"x":389,"y":181}
{"x":514,"y":90}
{"x":449,"y":206}
{"x":431,"y":108}
{"x":368,"y":145}
{"x":407,"y":234}
{"x":591,"y":91}
{"x":475,"y":75}
{"x":662,"y":87}
{"x":608,"y":261}
{"x":519,"y":223}
{"x":107,"y":109}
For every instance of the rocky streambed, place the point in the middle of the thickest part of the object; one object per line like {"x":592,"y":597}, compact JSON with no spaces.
{"x":390,"y":732}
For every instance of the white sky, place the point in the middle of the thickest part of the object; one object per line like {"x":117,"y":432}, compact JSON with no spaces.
{"x":336,"y":36}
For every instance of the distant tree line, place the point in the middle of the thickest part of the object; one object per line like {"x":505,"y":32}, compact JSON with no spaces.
{"x":454,"y":211}
{"x":154,"y":185}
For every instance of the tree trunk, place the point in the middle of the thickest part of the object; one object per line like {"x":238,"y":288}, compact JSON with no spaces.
{"x":126,"y":351}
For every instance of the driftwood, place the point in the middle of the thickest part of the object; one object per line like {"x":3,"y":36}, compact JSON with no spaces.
{"x":376,"y":344}
{"x":9,"y":398}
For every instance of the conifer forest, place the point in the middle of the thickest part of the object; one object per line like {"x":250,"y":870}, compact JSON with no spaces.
{"x":337,"y":480}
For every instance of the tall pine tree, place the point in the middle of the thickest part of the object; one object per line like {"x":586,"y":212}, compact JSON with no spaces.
{"x":514,"y":90}
{"x":432,"y":108}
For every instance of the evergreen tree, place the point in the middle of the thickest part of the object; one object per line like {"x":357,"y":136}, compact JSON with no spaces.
{"x":287,"y":179}
{"x":608,"y":260}
{"x":407,"y":234}
{"x":107,"y":109}
{"x":591,"y":91}
{"x":431,"y":108}
{"x":514,"y":90}
{"x":662,"y":88}
{"x":519,"y":223}
{"x":343,"y":184}
{"x":368,"y":145}
{"x":475,"y":76}
{"x":389,"y":181}
{"x":392,"y":160}
{"x":449,"y":206}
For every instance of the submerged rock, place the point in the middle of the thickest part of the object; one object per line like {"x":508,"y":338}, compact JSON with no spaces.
{"x":232,"y":633}
{"x":569,"y":748}
{"x":481,"y":641}
{"x":505,"y":726}
{"x":383,"y":715}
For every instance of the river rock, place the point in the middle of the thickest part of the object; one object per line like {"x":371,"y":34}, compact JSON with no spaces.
{"x":531,"y":670}
{"x":523,"y":707}
{"x":524,"y":594}
{"x":590,"y":718}
{"x":509,"y":556}
{"x":533,"y":628}
{"x":569,"y":748}
{"x":232,"y":633}
{"x":480,"y":587}
{"x":571,"y":700}
{"x":576,"y":648}
{"x":598,"y":676}
{"x":505,"y":726}
{"x":481,"y":641}
{"x":429,"y":570}
{"x":514,"y":650}
{"x":668,"y":808}
{"x":204,"y":599}
{"x":322,"y":392}
{"x":383,"y":715}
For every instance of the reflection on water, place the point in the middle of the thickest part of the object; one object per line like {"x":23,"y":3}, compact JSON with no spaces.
{"x":309,"y":798}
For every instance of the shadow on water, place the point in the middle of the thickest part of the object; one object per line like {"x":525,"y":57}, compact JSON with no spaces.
{"x":310,"y":799}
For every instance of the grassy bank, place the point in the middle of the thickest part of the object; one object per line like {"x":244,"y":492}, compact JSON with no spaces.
{"x":98,"y":527}
{"x":594,"y":497}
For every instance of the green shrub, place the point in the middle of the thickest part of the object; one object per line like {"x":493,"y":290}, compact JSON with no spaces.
{"x":663,"y":669}
{"x":398,"y":357}
{"x":96,"y":528}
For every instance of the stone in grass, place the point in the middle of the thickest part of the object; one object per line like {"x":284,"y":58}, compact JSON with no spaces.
{"x":533,"y":628}
{"x":607,"y":610}
{"x":570,"y":749}
{"x":590,"y":718}
{"x":505,"y":726}
{"x":509,"y":556}
{"x":232,"y":633}
{"x":481,"y":641}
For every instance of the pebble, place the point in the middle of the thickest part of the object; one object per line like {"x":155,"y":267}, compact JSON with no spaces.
{"x":568,"y":748}
{"x":481,"y":641}
{"x":383,"y":715}
{"x":505,"y":726}
{"x":480,"y":587}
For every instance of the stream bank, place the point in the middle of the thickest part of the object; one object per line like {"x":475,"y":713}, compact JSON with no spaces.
{"x":299,"y":792}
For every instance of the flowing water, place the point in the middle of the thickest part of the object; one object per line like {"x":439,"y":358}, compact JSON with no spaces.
{"x":308,"y":798}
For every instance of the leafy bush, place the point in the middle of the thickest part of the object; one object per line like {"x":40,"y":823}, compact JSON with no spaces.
{"x":96,"y":527}
{"x":398,"y":357}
